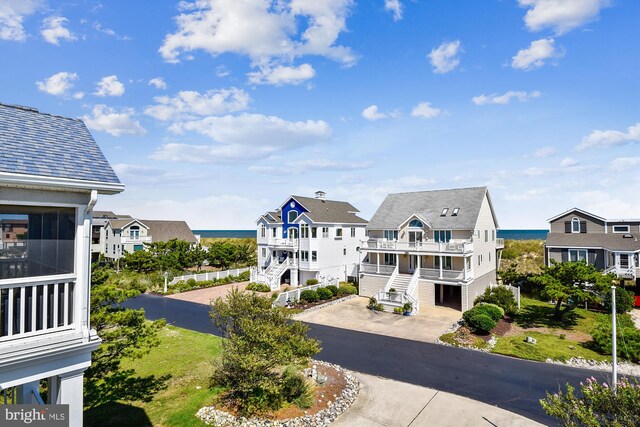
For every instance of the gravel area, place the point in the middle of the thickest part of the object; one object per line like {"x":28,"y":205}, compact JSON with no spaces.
{"x":321,"y":306}
{"x":212,"y":416}
{"x":624,"y":368}
{"x":206,"y":295}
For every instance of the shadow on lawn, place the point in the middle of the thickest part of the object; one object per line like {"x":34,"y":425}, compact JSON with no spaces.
{"x":116,"y":414}
{"x":541,"y":316}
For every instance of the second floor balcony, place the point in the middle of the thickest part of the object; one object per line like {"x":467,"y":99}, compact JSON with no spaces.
{"x":457,"y":246}
{"x":135,"y":240}
{"x":291,"y":244}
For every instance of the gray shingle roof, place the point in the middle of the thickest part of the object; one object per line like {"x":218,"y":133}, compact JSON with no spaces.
{"x":397,"y":208}
{"x":35,"y":143}
{"x":330,"y":211}
{"x":163,"y":231}
{"x":611,"y":241}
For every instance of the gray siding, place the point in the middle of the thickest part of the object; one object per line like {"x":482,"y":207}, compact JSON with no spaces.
{"x":594,"y":226}
{"x":477,"y":287}
{"x":426,"y":294}
{"x":595,"y":256}
{"x":370,"y":284}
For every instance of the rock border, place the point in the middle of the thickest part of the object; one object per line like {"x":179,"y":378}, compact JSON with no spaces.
{"x":325,"y":305}
{"x":212,"y":416}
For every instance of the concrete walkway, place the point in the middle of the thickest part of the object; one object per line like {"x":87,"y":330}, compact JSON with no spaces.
{"x":428,"y":325}
{"x":389,"y":403}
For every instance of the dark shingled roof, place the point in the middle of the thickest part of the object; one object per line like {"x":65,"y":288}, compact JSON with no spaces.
{"x":329,"y":211}
{"x":160,"y":231}
{"x":397,"y":208}
{"x":35,"y":143}
{"x":611,"y":241}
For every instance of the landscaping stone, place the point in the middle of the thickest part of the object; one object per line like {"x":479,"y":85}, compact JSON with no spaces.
{"x":624,"y":368}
{"x":321,"y":306}
{"x":212,"y":416}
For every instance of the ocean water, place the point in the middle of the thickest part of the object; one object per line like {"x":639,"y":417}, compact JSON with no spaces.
{"x":523,"y":234}
{"x":505,"y":234}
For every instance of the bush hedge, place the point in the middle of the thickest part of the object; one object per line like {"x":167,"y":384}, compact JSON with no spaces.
{"x":311,"y":282}
{"x":628,"y":337}
{"x":500,"y":296}
{"x":258,"y":287}
{"x":481,"y":323}
{"x":624,"y":301}
{"x":309,"y":296}
{"x":347,"y":290}
{"x":324,"y":294}
{"x":491,"y":310}
{"x":333,"y":289}
{"x":482,"y":318}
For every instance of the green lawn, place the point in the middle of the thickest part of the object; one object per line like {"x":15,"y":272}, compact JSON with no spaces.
{"x":556,"y":343}
{"x":184,"y":355}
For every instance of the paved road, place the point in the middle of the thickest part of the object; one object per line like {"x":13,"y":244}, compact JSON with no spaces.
{"x":512,"y":384}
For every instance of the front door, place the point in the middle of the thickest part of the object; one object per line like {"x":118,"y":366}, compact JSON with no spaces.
{"x":624,"y":261}
{"x":413,"y":263}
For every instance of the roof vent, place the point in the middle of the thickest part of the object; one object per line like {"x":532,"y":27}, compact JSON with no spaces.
{"x":627,"y":236}
{"x":321,"y":195}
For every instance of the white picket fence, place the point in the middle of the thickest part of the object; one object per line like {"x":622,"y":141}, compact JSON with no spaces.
{"x":294,"y":294}
{"x":211,"y":275}
{"x":514,"y":290}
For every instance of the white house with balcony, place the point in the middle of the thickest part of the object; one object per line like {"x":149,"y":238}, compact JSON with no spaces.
{"x":308,"y":238}
{"x":51,"y":173}
{"x":431,"y":248}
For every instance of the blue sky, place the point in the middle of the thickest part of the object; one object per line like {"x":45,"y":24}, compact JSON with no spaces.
{"x":214,"y":111}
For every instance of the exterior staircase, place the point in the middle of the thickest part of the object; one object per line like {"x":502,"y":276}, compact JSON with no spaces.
{"x":405,"y":286}
{"x":400,"y":283}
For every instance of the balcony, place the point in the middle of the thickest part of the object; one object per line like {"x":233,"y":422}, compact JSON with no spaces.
{"x":499,"y":243}
{"x":290,"y":244}
{"x":36,"y":306}
{"x":451,"y":247}
{"x":135,"y":240}
{"x":437,"y":274}
{"x":386,"y":270}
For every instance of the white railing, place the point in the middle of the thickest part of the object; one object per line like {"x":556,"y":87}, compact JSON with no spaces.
{"x":285,"y":243}
{"x":293,"y":295}
{"x":271,"y":276}
{"x":435,"y":273}
{"x":625,"y":272}
{"x":135,"y":239}
{"x":34,"y":307}
{"x":397,"y":299}
{"x":373,"y":268}
{"x":414,"y":282}
{"x":394,"y":274}
{"x":217,"y":275}
{"x":453,"y":246}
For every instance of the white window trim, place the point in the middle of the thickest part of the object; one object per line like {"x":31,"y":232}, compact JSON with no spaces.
{"x":577,"y":252}
{"x":575,"y":220}
{"x":613,"y":229}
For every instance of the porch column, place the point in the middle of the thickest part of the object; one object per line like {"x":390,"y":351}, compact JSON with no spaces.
{"x":440,"y":256}
{"x":53,"y":386}
{"x":70,"y":393}
{"x":419,"y":263}
{"x":464,"y":270}
{"x":441,"y":293}
{"x":378,"y":262}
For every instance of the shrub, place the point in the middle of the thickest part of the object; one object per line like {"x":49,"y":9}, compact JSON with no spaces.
{"x":624,"y":301}
{"x":500,"y":296}
{"x":258,"y":287}
{"x":372,"y":303}
{"x":309,"y":296}
{"x":333,"y":289}
{"x":347,"y":290}
{"x":379,"y":307}
{"x":481,"y":323}
{"x":397,"y":310}
{"x":324,"y":294}
{"x":628,"y":337}
{"x":491,"y":310}
{"x":392,"y":290}
{"x":244,"y":276}
{"x":311,"y":282}
{"x":191,"y":282}
{"x":295,"y":388}
{"x":408,"y":307}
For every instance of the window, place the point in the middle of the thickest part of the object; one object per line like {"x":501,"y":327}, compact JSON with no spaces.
{"x":455,"y":211}
{"x":486,"y":235}
{"x":314,"y":232}
{"x":575,"y":225}
{"x":292,"y":215}
{"x":339,"y":233}
{"x":263,"y":231}
{"x":390,"y":259}
{"x":344,"y":251}
{"x":479,"y":259}
{"x":415,"y":223}
{"x":493,"y":235}
{"x":314,"y":256}
{"x":304,"y":231}
{"x":264,"y":252}
{"x":489,"y":256}
{"x":441,"y":236}
{"x":113,"y":249}
{"x":304,"y":255}
{"x":621,"y":229}
{"x":137,"y":248}
{"x":293,"y":233}
{"x":578,"y":255}
{"x":325,"y":232}
{"x":444,"y":212}
{"x":273,"y":232}
{"x":391,"y":235}
{"x":353,"y":232}
{"x":446,"y":262}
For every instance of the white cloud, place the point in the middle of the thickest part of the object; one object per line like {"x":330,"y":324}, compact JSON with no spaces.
{"x":610,"y":138}
{"x":425,"y":110}
{"x":305,"y":166}
{"x":568,"y":162}
{"x":505,"y":98}
{"x":535,"y":55}
{"x":625,"y":163}
{"x":108,"y":31}
{"x":53,"y":30}
{"x":372,"y":113}
{"x":58,"y":84}
{"x":282,"y":75}
{"x":394,"y":6}
{"x":113,"y":122}
{"x":158,"y":83}
{"x":187,"y":104}
{"x":544,"y":152}
{"x":12,"y":14}
{"x":445,"y":58}
{"x":109,"y":86}
{"x":222,"y":71}
{"x":270,"y":33}
{"x":242,"y":138}
{"x":561,"y":15}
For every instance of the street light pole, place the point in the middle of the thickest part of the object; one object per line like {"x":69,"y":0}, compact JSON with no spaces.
{"x":614,"y":352}
{"x":166,"y":276}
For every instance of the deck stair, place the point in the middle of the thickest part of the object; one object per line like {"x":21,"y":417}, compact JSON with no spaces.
{"x":400,"y":283}
{"x":404,"y":286}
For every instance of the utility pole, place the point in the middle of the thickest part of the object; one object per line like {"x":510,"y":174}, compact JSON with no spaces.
{"x":614,"y":352}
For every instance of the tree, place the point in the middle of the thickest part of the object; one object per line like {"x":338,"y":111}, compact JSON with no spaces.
{"x":125,"y":333}
{"x":197,"y":256}
{"x":598,"y":406}
{"x":572,"y":283}
{"x":261,"y":341}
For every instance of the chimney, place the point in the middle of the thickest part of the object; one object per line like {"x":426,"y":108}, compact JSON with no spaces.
{"x":321,"y":195}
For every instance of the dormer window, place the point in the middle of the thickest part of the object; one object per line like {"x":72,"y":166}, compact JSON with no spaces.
{"x":292,"y":215}
{"x":416,"y":223}
{"x":444,"y":212}
{"x":575,"y":225}
{"x":455,"y":211}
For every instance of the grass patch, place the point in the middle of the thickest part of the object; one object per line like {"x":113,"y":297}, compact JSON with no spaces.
{"x":185,"y":355}
{"x":548,"y":346}
{"x":539,"y":314}
{"x":463,"y":338}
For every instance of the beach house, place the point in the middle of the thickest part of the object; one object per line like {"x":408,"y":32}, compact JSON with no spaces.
{"x":431,"y":248}
{"x":51,"y":173}
{"x":308,"y":238}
